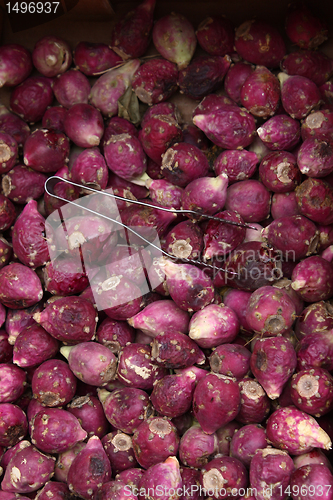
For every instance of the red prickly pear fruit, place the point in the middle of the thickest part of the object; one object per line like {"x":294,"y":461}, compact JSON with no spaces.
{"x":119,"y":449}
{"x":8,"y":152}
{"x":159,"y":317}
{"x":310,"y":478}
{"x":71,"y":88}
{"x":314,"y":158}
{"x":20,"y":287}
{"x":16,"y":64}
{"x":64,"y":461}
{"x":117,"y":490}
{"x":284,"y":205}
{"x":53,"y":118}
{"x":203,"y":76}
{"x":22,"y":184}
{"x":268,"y":356}
{"x":109,"y":87}
{"x":319,"y":125}
{"x":89,"y":168}
{"x":162,"y":108}
{"x":118,"y":125}
{"x":174,"y":38}
{"x":314,"y":318}
{"x":285,"y":284}
{"x":114,"y":334}
{"x":312,"y":279}
{"x":14,"y":424}
{"x":235,"y":79}
{"x":89,"y":412}
{"x":94,"y":58}
{"x":28,"y":470}
{"x":46,"y":150}
{"x":33,"y":346}
{"x":216,"y":401}
{"x":295,"y":236}
{"x":191,"y":483}
{"x":224,"y":435}
{"x":6,"y":350}
{"x":253,"y":233}
{"x":231,"y":360}
{"x":173,"y":350}
{"x":213,"y":325}
{"x":312,"y":64}
{"x":164,"y":193}
{"x":183,"y":422}
{"x":260,"y":93}
{"x":185,"y":240}
{"x":320,"y":211}
{"x":182,"y":163}
{"x":13,"y":125}
{"x":315,"y":351}
{"x":238,"y":165}
{"x":172,"y":395}
{"x":223,"y":475}
{"x":117,"y":182}
{"x":255,"y":404}
{"x":295,"y":431}
{"x":136,"y":368}
{"x":270,"y":311}
{"x":299,"y":95}
{"x":215,"y":36}
{"x":246,"y":441}
{"x":326,"y":95}
{"x":250,"y":198}
{"x":45,"y":427}
{"x":91,"y":362}
{"x":279,"y":172}
{"x":13,"y":381}
{"x":124,"y":261}
{"x":125,"y":156}
{"x":312,"y":391}
{"x":161,"y":477}
{"x":131,"y":477}
{"x":188,"y":285}
{"x":84,"y":125}
{"x":53,"y":383}
{"x":156,"y":136}
{"x":53,"y":489}
{"x":7,"y":213}
{"x":31,"y":99}
{"x":62,"y":189}
{"x":196,"y":448}
{"x":52,"y":56}
{"x":206,"y":194}
{"x":125,"y":408}
{"x":260,"y":43}
{"x":270,"y":471}
{"x":281,"y":132}
{"x":305,"y":29}
{"x":155,"y":81}
{"x":315,"y":456}
{"x":89,"y":470}
{"x":325,"y":236}
{"x":34,"y":407}
{"x":155,"y":440}
{"x":6,"y":251}
{"x":65,"y":277}
{"x":18,"y":319}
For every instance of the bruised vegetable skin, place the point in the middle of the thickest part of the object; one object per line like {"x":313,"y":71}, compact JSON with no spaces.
{"x":279,"y":172}
{"x":315,"y":200}
{"x":197,"y":448}
{"x":173,"y":349}
{"x":89,"y":411}
{"x":232,"y":360}
{"x":238,"y":165}
{"x":182,"y":163}
{"x":119,"y":449}
{"x":172,"y":395}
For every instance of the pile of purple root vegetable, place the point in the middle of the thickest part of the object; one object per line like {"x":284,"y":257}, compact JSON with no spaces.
{"x":214,"y":384}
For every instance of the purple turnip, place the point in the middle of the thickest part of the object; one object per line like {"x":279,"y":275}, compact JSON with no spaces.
{"x":250,"y":199}
{"x":159,"y":317}
{"x":125,"y":156}
{"x":14,"y":424}
{"x":173,"y":349}
{"x":238,"y":165}
{"x":53,"y":118}
{"x":172,"y":395}
{"x":260,"y":93}
{"x":299,"y":95}
{"x":20,"y":286}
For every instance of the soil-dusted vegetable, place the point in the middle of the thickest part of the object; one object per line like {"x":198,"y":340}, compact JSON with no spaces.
{"x":172,"y":395}
{"x":260,"y":93}
{"x":159,"y":317}
{"x":279,"y":172}
{"x":51,"y":56}
{"x":308,"y":192}
{"x":246,"y":441}
{"x":16,"y":64}
{"x":125,"y":156}
{"x":304,"y":28}
{"x":71,"y":88}
{"x":84,"y":125}
{"x":215,"y":35}
{"x":223,"y":475}
{"x":314,"y":158}
{"x":312,"y":278}
{"x":250,"y":199}
{"x":14,"y":424}
{"x":238,"y":165}
{"x":173,"y":350}
{"x":312,"y":391}
{"x":299,"y":95}
{"x":119,"y":449}
{"x":22,"y":184}
{"x":197,"y":448}
{"x":232,"y":360}
{"x":89,"y":412}
{"x":155,"y":80}
{"x":94,"y":58}
{"x":255,"y":404}
{"x":30,"y":99}
{"x":53,"y":383}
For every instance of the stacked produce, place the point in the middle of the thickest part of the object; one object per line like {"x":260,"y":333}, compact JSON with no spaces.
{"x":207,"y":373}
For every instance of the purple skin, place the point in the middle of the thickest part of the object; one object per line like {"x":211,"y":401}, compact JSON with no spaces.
{"x":114,"y":334}
{"x":216,"y":401}
{"x":304,"y":28}
{"x":16,"y":64}
{"x":33,"y":346}
{"x":284,"y":205}
{"x":31,"y":99}
{"x":92,"y":363}
{"x":125,"y":261}
{"x":3,"y":314}
{"x":326,"y":92}
{"x":299,"y":95}
{"x":295,"y":236}
{"x":125,"y":156}
{"x":13,"y":125}
{"x":131,"y":476}
{"x":213,"y":325}
{"x":62,"y":189}
{"x":54,"y":430}
{"x":53,"y":383}
{"x":117,"y":182}
{"x":188,"y":286}
{"x":319,"y":125}
{"x":22,"y":184}
{"x":46,"y":150}
{"x":315,"y":456}
{"x":259,"y":43}
{"x":89,"y":168}
{"x":9,"y":453}
{"x":250,"y":199}
{"x":6,"y":350}
{"x":206,"y":195}
{"x":310,"y":478}
{"x":54,"y":118}
{"x":314,"y":318}
{"x":279,"y":172}
{"x":281,"y":132}
{"x":191,"y":483}
{"x":110,"y":87}
{"x":18,"y":319}
{"x":71,"y":88}
{"x":215,"y":36}
{"x":89,"y":470}
{"x":224,"y":435}
{"x":20,"y":286}
{"x":157,"y":134}
{"x":196,"y":448}
{"x":246,"y":441}
{"x":64,"y":277}
{"x":260,"y":93}
{"x":164,"y":193}
{"x":162,"y":108}
{"x":94,"y":58}
{"x":295,"y":431}
{"x":6,"y":252}
{"x":162,"y":477}
{"x":314,"y":158}
{"x":315,"y":200}
{"x":155,"y":81}
{"x":270,"y":471}
{"x":52,"y":56}
{"x":312,"y":391}
{"x":312,"y":278}
{"x":173,"y":349}
{"x":136,"y":368}
{"x":159,"y":317}
{"x":8,"y":152}
{"x":172,"y":395}
{"x":89,"y":412}
{"x":115,"y":126}
{"x":315,"y":350}
{"x":224,"y":475}
{"x":253,"y":233}
{"x":33,"y":408}
{"x":314,"y":65}
{"x":64,"y":461}
{"x":117,"y":490}
{"x":155,"y":440}
{"x":231,"y":360}
{"x":119,"y":449}
{"x":182,"y":163}
{"x":14,"y":425}
{"x":235,"y":79}
{"x":255,"y":404}
{"x":33,"y":470}
{"x":185,"y":240}
{"x":125,"y":408}
{"x":238,"y":165}
{"x":54,"y":490}
{"x":84,"y":125}
{"x":285,"y":284}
